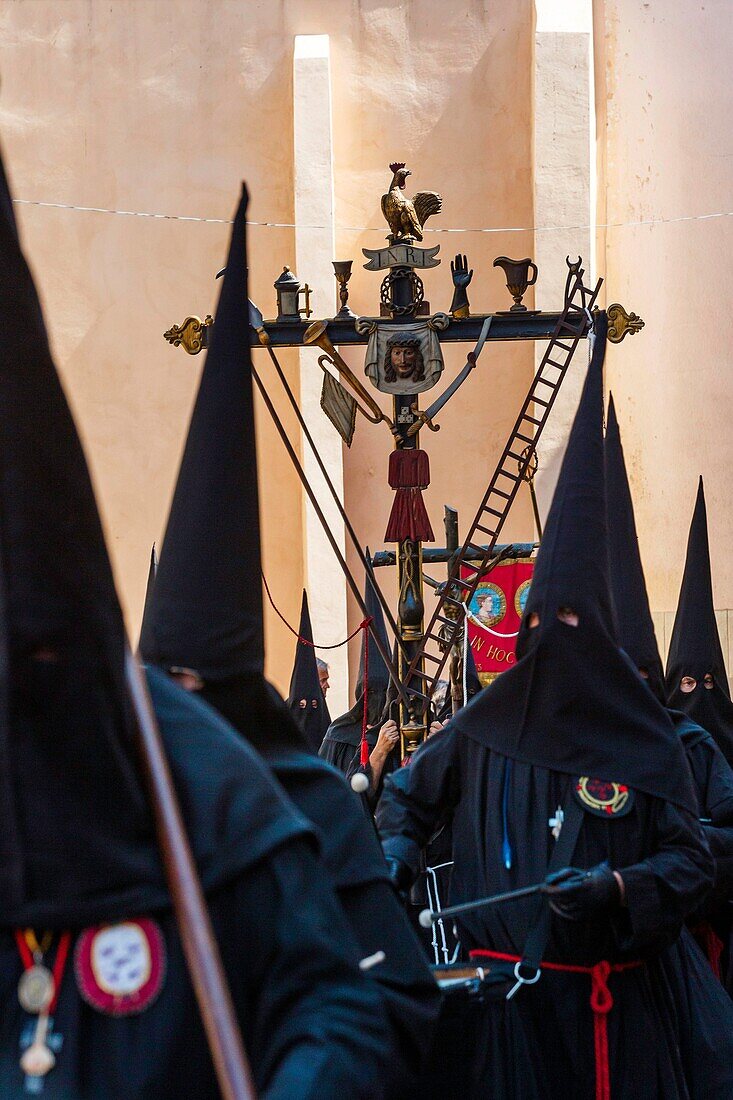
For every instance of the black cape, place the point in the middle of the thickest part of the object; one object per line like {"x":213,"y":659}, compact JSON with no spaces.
{"x":572,"y":706}
{"x":352,"y":856}
{"x":541,"y":1043}
{"x":280,"y":932}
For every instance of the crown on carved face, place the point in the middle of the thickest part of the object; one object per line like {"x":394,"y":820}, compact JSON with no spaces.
{"x":397,"y":165}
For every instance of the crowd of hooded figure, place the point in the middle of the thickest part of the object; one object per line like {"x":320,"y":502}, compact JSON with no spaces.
{"x":579,"y":770}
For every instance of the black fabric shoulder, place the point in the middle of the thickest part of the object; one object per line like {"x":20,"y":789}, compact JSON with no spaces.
{"x":235,"y":812}
{"x":350,"y":848}
{"x":690,"y":732}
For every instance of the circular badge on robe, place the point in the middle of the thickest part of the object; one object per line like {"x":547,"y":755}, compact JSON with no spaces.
{"x":120,"y":968}
{"x":603,"y":798}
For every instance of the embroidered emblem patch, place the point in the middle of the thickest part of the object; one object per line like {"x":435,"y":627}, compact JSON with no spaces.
{"x":120,"y":968}
{"x":603,"y":798}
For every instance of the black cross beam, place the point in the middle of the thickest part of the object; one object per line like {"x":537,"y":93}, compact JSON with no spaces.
{"x":531,"y":325}
{"x":431,"y":555}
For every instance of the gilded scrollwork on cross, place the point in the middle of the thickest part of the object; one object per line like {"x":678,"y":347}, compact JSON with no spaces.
{"x":621,"y":323}
{"x":190,"y":335}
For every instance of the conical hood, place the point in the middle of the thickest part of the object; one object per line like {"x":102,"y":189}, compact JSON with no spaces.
{"x":347,"y":728}
{"x":75,"y":830}
{"x":573,"y":702}
{"x":152,"y":570}
{"x":694,"y":649}
{"x":378,"y":671}
{"x":306,"y":700}
{"x":206,"y":608}
{"x":628,"y":587}
{"x":473,"y":684}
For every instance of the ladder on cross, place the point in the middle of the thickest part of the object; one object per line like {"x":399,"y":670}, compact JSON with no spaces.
{"x":471,"y":562}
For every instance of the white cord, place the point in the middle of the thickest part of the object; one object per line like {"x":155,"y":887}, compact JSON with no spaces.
{"x":372,"y":229}
{"x":465,"y":656}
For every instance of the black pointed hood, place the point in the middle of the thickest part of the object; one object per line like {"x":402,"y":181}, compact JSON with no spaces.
{"x":152,"y":570}
{"x":75,"y":830}
{"x":206,"y":608}
{"x":77,"y":838}
{"x":306,"y":699}
{"x":628,"y":587}
{"x":695,"y":649}
{"x":378,"y":671}
{"x":347,"y":728}
{"x":206,"y":605}
{"x":573,"y":702}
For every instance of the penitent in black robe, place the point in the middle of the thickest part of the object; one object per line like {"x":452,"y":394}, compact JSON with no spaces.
{"x":540,"y":1044}
{"x":712,"y":775}
{"x":351,"y":853}
{"x":713,"y":781}
{"x":312,"y":1026}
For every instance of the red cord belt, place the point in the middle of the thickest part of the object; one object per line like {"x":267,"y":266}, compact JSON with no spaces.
{"x":601,"y":1003}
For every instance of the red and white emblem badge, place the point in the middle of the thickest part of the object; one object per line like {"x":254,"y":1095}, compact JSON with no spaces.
{"x":603,"y":798}
{"x":120,"y":967}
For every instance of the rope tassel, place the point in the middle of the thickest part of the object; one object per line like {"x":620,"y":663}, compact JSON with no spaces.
{"x":409,"y":474}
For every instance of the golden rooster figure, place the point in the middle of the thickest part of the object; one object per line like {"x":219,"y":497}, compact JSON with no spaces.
{"x":406,"y":217}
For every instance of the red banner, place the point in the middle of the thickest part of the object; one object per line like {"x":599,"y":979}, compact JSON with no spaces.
{"x":494,"y":616}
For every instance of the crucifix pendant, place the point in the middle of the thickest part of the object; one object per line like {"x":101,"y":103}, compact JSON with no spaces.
{"x":555,"y":823}
{"x":38,"y":1058}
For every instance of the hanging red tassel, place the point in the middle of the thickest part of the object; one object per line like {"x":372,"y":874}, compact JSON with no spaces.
{"x":409,"y":474}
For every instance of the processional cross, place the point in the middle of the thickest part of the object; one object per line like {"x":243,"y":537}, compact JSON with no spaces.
{"x":404,"y":359}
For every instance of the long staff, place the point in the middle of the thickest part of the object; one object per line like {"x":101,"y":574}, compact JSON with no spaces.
{"x":257,"y":323}
{"x":429,"y":916}
{"x":383,"y":651}
{"x":194,"y":925}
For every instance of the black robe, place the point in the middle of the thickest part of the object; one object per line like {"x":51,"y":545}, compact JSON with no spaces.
{"x":711,"y":773}
{"x":712,"y":922}
{"x":540,"y":1044}
{"x":352,"y":854}
{"x":312,"y":1025}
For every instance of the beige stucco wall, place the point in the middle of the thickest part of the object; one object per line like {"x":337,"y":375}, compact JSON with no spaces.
{"x":164,"y":106}
{"x":156,"y":105}
{"x":665,"y":102}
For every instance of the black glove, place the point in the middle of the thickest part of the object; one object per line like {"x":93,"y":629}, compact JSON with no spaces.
{"x":400,"y":875}
{"x":583,"y":895}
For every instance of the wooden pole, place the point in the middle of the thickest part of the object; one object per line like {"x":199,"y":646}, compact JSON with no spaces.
{"x":197,"y":937}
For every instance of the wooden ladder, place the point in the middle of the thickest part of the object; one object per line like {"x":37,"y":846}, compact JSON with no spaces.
{"x":473,"y":558}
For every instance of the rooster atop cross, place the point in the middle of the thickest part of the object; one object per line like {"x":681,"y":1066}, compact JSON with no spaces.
{"x":406,"y":217}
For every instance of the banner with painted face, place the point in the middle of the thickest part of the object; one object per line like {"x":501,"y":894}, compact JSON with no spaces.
{"x":494,"y":616}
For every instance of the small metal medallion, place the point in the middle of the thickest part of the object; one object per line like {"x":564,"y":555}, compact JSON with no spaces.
{"x":35,"y":989}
